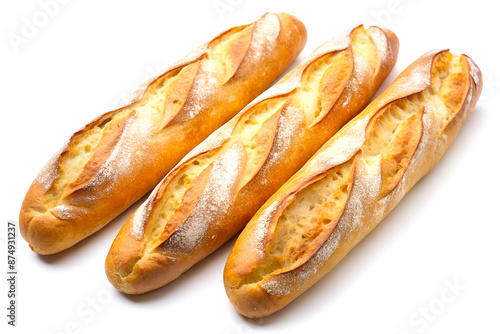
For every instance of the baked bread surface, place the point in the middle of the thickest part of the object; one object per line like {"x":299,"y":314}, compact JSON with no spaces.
{"x":350,"y":184}
{"x":121,"y":155}
{"x":215,"y":190}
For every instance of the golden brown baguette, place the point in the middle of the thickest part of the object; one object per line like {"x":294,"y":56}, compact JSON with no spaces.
{"x":118,"y":157}
{"x":215,"y":190}
{"x":350,"y":184}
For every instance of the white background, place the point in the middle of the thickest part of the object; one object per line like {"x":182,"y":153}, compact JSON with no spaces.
{"x":445,"y":231}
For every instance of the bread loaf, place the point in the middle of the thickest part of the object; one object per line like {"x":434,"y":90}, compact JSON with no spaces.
{"x":210,"y":196}
{"x":350,"y":184}
{"x":118,"y":157}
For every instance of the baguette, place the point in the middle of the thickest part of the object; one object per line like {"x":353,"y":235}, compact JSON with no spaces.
{"x":350,"y":184}
{"x":121,"y":155}
{"x":218,"y":187}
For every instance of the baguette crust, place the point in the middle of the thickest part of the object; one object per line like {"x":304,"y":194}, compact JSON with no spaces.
{"x":350,"y":184}
{"x":119,"y":156}
{"x":213,"y":192}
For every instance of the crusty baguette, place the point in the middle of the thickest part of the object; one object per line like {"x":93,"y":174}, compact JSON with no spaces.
{"x":350,"y":184}
{"x":118,"y":157}
{"x":218,"y":186}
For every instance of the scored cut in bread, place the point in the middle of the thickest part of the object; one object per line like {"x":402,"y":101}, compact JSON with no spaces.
{"x":121,"y":155}
{"x":350,"y":184}
{"x":210,"y":196}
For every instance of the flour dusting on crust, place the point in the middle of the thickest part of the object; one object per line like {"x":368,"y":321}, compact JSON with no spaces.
{"x":418,"y":80}
{"x":117,"y":160}
{"x":380,"y":40}
{"x":262,"y":227}
{"x":475,"y":72}
{"x":202,"y":92}
{"x":214,"y":202}
{"x":215,"y":140}
{"x":141,"y":216}
{"x":124,"y":158}
{"x":340,"y":149}
{"x":49,"y":172}
{"x":288,"y":126}
{"x":265,"y":35}
{"x":67,"y":212}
